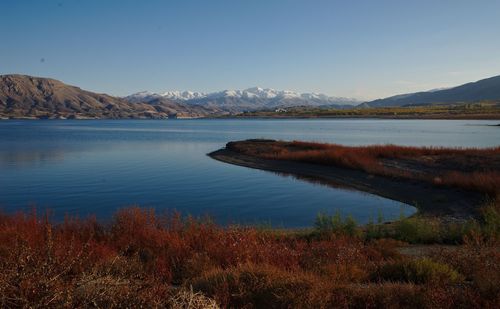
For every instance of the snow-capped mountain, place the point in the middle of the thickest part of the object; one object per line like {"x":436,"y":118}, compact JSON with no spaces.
{"x":248,"y":99}
{"x":143,"y":96}
{"x":255,"y":92}
{"x":183,"y":95}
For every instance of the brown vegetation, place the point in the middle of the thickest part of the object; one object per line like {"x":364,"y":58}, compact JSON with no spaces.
{"x":149,"y":260}
{"x":465,"y":168}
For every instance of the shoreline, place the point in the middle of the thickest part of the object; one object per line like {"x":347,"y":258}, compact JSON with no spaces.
{"x":447,"y":203}
{"x":277,"y":117}
{"x":258,"y":118}
{"x":461,"y":117}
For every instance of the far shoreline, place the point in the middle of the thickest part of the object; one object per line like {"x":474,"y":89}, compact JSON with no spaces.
{"x":234,"y":117}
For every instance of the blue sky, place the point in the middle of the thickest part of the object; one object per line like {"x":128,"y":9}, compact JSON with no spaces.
{"x":365,"y":49}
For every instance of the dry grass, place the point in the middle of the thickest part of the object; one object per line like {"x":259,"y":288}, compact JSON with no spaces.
{"x":466,"y":168}
{"x":142,"y":259}
{"x":187,"y":299}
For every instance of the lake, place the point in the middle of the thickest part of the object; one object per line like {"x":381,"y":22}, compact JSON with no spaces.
{"x":83,"y":167}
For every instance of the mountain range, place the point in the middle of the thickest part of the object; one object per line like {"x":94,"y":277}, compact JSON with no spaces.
{"x":256,"y":98}
{"x":23,"y":96}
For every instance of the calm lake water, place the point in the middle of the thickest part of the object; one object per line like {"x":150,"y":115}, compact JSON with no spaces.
{"x":97,"y":166}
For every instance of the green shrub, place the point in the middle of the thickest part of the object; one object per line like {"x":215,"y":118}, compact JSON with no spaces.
{"x":454,"y":233}
{"x":417,"y":271}
{"x":491,"y":220}
{"x":376,"y":231}
{"x":334,"y":224}
{"x":423,"y":231}
{"x":417,"y":230}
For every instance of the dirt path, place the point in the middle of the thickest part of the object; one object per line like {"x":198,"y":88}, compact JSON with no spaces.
{"x":448,"y":203}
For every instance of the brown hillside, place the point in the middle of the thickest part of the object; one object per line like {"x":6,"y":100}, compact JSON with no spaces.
{"x":24,"y":96}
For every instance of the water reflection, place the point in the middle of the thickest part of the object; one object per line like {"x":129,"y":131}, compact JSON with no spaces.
{"x":23,"y":158}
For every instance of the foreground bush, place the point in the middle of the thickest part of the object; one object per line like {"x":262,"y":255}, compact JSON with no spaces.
{"x":326,"y":224}
{"x":417,"y":271}
{"x":142,"y":259}
{"x":259,"y":287}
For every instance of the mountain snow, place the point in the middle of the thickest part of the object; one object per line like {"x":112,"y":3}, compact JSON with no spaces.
{"x":250,"y":93}
{"x":183,"y":95}
{"x":143,"y":96}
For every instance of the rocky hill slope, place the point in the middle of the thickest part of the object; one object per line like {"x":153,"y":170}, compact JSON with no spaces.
{"x":23,"y":96}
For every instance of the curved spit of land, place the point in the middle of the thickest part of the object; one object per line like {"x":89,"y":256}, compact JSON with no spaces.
{"x":448,"y":182}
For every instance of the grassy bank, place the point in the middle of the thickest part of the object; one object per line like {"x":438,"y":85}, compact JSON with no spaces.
{"x":471,"y":169}
{"x":479,"y":110}
{"x":145,"y":259}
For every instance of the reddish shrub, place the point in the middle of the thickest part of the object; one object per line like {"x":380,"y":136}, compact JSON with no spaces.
{"x":440,"y":166}
{"x":135,"y":260}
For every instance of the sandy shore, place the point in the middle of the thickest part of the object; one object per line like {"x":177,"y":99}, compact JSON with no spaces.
{"x":445,"y":202}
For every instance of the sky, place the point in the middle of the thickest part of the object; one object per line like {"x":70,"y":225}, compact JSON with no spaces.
{"x":362,"y":49}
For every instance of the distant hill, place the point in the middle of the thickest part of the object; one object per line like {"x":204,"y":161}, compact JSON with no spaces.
{"x":251,"y":99}
{"x":485,"y":89}
{"x":23,"y":96}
